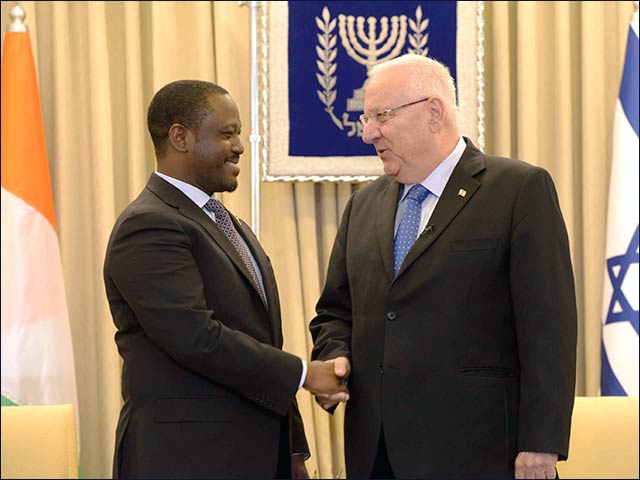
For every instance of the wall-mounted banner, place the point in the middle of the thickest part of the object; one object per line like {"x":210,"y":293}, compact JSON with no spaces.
{"x":314,"y":59}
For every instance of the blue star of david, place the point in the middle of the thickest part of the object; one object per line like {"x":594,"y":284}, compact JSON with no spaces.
{"x":626,"y":313}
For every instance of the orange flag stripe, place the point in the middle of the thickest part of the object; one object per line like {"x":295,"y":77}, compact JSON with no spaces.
{"x":25,"y":169}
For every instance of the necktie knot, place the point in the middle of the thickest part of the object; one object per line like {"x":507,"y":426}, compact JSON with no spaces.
{"x":215,"y":207}
{"x":417,"y":193}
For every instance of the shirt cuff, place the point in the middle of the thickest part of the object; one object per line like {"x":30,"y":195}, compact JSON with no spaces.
{"x":304,"y":374}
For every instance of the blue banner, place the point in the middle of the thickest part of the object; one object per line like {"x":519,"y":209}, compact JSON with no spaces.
{"x":332,"y":45}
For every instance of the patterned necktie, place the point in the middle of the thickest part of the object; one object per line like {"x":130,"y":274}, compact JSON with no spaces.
{"x":408,"y":228}
{"x":223,"y":220}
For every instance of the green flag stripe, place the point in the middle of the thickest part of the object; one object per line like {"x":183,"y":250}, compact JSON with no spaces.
{"x":7,"y":403}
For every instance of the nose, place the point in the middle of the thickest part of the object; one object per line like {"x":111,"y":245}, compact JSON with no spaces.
{"x":371,"y":132}
{"x":237,"y":147}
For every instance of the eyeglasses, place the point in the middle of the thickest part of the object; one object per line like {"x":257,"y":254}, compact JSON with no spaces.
{"x":382,"y":117}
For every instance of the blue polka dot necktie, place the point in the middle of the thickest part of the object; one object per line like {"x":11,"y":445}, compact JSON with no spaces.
{"x":223,"y":220}
{"x":409,"y":223}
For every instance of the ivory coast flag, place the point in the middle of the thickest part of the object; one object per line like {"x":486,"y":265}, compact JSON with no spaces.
{"x":37,"y":354}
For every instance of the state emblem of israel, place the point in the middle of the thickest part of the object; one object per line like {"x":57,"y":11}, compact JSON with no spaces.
{"x":332,"y":46}
{"x":314,"y":62}
{"x":379,"y":40}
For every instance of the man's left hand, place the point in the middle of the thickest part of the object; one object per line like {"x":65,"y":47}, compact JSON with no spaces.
{"x":536,"y":465}
{"x":298,"y":470}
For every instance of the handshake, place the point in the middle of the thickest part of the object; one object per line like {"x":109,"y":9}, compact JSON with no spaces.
{"x":327,"y":380}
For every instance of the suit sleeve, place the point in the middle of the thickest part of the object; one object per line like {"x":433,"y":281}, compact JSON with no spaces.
{"x":150,"y":262}
{"x":544,"y":304}
{"x":298,"y":438}
{"x":331,"y":328}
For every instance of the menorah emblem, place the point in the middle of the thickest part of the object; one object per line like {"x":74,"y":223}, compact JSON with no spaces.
{"x":367,"y":46}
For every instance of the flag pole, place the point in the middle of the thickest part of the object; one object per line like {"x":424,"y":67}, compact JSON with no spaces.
{"x":254,"y":137}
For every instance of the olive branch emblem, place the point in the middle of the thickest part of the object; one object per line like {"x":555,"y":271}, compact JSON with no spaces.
{"x":327,"y":53}
{"x":418,"y":39}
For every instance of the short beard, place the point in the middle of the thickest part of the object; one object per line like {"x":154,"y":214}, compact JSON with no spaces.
{"x":219,"y":186}
{"x":230,"y":188}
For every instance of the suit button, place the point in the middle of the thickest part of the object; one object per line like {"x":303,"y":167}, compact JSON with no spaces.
{"x":381,"y":368}
{"x":392,"y":315}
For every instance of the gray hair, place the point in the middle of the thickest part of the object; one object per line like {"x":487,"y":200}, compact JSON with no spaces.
{"x":427,"y":76}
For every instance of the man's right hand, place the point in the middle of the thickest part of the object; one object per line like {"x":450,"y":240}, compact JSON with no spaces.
{"x":323,"y":382}
{"x":341,"y":369}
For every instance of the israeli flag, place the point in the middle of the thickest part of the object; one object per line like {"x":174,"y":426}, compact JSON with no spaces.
{"x":619,"y":375}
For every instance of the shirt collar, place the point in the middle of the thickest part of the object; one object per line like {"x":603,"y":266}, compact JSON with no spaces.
{"x":438,"y":179}
{"x":196,"y":195}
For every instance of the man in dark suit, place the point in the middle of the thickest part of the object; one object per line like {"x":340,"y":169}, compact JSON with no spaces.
{"x":459,"y":348}
{"x":208,"y":391}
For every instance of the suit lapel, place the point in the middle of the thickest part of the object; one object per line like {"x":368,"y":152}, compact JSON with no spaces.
{"x":174,"y":197}
{"x":456,"y":195}
{"x":385,"y":220}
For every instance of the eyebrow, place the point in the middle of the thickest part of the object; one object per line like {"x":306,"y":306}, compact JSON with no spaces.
{"x":235,"y":126}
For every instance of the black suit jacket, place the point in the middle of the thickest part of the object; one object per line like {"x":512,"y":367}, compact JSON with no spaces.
{"x":207,"y":389}
{"x":467,"y":356}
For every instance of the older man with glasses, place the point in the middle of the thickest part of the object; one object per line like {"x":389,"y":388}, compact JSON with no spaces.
{"x":449,"y":304}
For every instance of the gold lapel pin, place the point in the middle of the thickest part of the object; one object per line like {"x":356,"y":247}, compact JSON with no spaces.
{"x":462,"y":193}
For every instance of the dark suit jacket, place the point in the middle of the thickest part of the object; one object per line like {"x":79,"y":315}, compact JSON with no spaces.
{"x":206,"y":386}
{"x":468,"y":355}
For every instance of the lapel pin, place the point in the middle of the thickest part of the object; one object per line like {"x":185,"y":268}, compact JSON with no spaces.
{"x":462,"y":193}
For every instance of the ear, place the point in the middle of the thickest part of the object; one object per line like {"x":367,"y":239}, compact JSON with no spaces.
{"x":179,"y":137}
{"x":436,"y":114}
